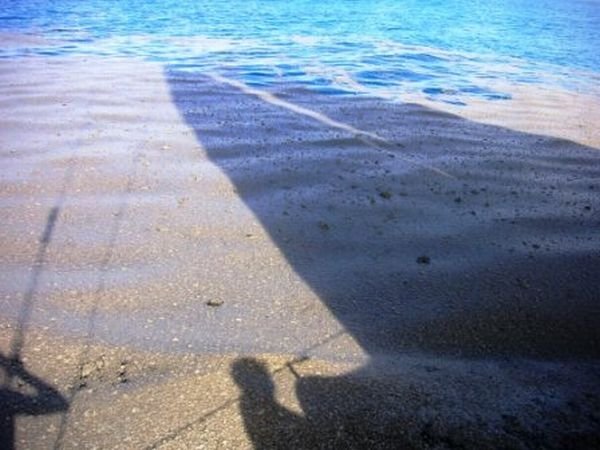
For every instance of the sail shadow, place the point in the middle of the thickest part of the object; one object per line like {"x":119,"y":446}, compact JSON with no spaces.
{"x":495,"y":262}
{"x":405,"y":258}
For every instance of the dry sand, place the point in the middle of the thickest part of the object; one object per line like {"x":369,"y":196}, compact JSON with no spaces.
{"x":188,"y":262}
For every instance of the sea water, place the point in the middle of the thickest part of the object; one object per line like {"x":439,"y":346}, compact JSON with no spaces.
{"x":447,"y":50}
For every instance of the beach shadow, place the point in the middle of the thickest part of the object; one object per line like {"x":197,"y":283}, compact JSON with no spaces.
{"x":422,"y":233}
{"x":21,"y":392}
{"x":25,"y":395}
{"x":268,"y":424}
{"x":337,"y":412}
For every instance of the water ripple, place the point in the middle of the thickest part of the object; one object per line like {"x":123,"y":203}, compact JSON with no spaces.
{"x":449,"y":51}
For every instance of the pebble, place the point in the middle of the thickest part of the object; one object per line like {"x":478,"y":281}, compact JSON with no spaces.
{"x":323,"y":226}
{"x":214,"y":302}
{"x":423,"y":259}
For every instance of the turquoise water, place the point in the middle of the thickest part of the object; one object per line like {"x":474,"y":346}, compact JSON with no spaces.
{"x":444,"y":49}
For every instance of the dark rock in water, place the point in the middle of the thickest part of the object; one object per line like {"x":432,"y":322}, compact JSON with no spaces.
{"x":423,"y":259}
{"x":385,"y":194}
{"x":323,"y":226}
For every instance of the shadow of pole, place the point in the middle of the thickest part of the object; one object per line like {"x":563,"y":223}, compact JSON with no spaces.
{"x":46,"y":399}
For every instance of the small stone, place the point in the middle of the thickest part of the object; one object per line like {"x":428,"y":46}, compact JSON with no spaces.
{"x":122,"y":375}
{"x":423,"y":259}
{"x":214,"y":302}
{"x":87,"y":369}
{"x":323,"y":226}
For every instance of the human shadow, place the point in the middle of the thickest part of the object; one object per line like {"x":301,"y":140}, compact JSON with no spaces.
{"x":267,"y":422}
{"x":422,"y":232}
{"x":338,"y":412}
{"x":420,"y":408}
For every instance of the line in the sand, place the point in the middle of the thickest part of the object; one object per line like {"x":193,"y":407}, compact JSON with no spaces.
{"x":369,"y":138}
{"x":87,"y":342}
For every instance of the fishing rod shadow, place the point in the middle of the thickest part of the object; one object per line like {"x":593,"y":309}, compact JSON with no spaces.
{"x":21,"y":392}
{"x":84,"y":356}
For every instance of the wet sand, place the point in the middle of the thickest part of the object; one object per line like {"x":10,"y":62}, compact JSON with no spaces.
{"x":188,"y":261}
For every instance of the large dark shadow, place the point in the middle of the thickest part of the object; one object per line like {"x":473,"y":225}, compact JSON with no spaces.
{"x":441,"y":236}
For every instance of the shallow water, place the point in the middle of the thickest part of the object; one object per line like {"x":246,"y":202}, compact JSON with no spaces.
{"x":444,"y":50}
{"x":138,"y":196}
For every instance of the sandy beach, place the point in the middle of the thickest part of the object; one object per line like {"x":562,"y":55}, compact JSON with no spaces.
{"x":191,"y":262}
